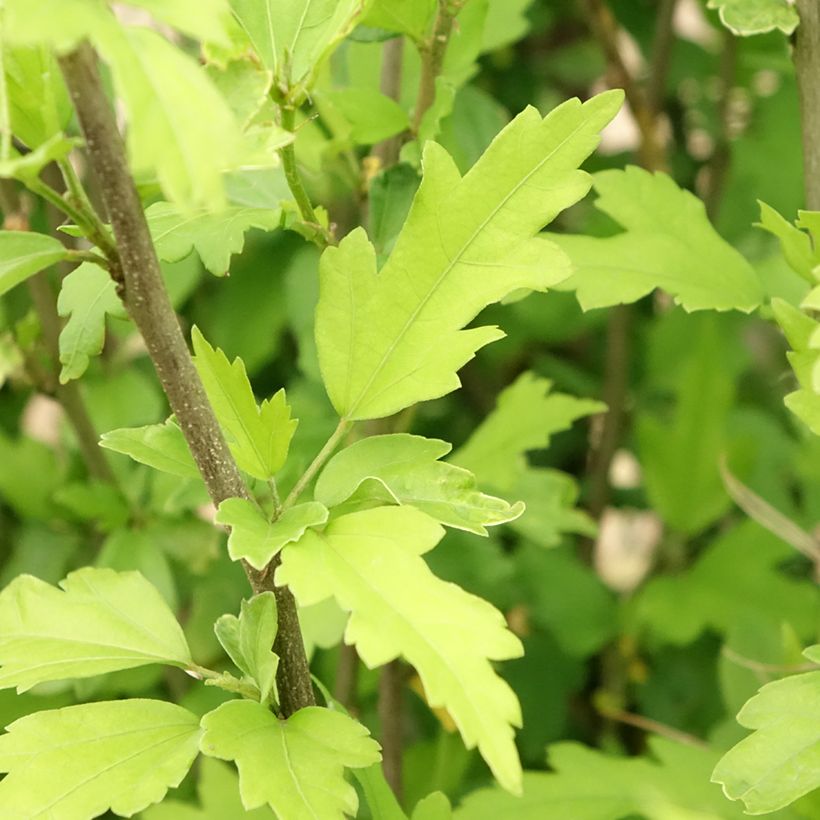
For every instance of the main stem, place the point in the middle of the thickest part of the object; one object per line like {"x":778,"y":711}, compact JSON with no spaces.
{"x":807,"y":66}
{"x":146,"y":300}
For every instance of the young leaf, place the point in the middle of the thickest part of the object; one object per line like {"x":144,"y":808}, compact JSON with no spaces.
{"x":745,"y":17}
{"x":161,"y":446}
{"x":218,"y":792}
{"x":24,"y":253}
{"x":668,"y":243}
{"x":248,"y":640}
{"x":88,"y":294}
{"x":370,"y":562}
{"x":259,"y":436}
{"x":99,"y":621}
{"x":780,"y":760}
{"x":410,"y":17}
{"x":294,"y":37}
{"x":214,"y":236}
{"x":81,"y":761}
{"x":372,"y":116}
{"x":467,"y":242}
{"x":795,"y":244}
{"x":408,"y":468}
{"x":256,"y":539}
{"x":297,"y":765}
{"x":525,"y":417}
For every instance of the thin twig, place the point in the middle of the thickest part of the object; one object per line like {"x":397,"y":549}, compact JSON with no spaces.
{"x":767,"y":669}
{"x":391,"y":695}
{"x":318,"y":462}
{"x":147,"y":302}
{"x":661,"y":54}
{"x":347,"y":675}
{"x":387,"y":151}
{"x":807,"y":66}
{"x":653,"y":726}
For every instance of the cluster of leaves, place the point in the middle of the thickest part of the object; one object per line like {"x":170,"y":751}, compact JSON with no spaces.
{"x":390,"y":540}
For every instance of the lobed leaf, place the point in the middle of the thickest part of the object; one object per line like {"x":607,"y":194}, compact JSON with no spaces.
{"x":161,"y":446}
{"x":255,"y":538}
{"x":98,"y":621}
{"x":24,"y":253}
{"x":81,"y":761}
{"x":467,"y":242}
{"x":297,"y":765}
{"x":87,"y":295}
{"x":408,"y":469}
{"x":258,"y":435}
{"x":780,"y":761}
{"x":248,"y":640}
{"x":370,"y":562}
{"x":745,"y":17}
{"x":668,"y":243}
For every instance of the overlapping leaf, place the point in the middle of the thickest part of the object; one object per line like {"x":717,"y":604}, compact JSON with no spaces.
{"x":23,"y":253}
{"x":258,"y":435}
{"x":408,"y":469}
{"x":81,"y":761}
{"x":780,"y":761}
{"x":87,"y":295}
{"x":98,"y":621}
{"x":668,"y":243}
{"x":467,"y":242}
{"x":297,"y":765}
{"x":370,"y":562}
{"x":255,"y":538}
{"x":161,"y":446}
{"x":745,"y":17}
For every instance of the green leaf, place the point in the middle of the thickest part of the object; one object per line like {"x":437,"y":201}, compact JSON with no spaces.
{"x":668,"y":243}
{"x":370,"y":562}
{"x":24,"y":253}
{"x":467,"y":242}
{"x":161,"y":446}
{"x":435,"y":806}
{"x":795,"y":244}
{"x":259,"y":435}
{"x":87,"y":295}
{"x":214,"y":236}
{"x":526,"y":415}
{"x":294,"y":37}
{"x":205,"y":20}
{"x":373,"y":116}
{"x":745,"y":17}
{"x":255,"y":538}
{"x":51,"y":22}
{"x":297,"y":765}
{"x":407,"y":467}
{"x":780,"y":761}
{"x":391,"y":194}
{"x":99,"y":621}
{"x":410,"y":17}
{"x":27,"y":167}
{"x":248,"y":640}
{"x":81,"y":761}
{"x":168,"y":97}
{"x":590,"y":785}
{"x":218,"y":793}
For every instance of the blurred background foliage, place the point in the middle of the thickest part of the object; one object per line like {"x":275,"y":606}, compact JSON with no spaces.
{"x":651,"y":609}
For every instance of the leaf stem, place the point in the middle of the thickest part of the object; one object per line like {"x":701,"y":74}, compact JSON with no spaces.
{"x":134,"y":262}
{"x":321,"y":457}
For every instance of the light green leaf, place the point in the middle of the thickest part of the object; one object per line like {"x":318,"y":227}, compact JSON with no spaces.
{"x":248,"y":640}
{"x":168,"y":97}
{"x":370,"y":562}
{"x":297,"y":765}
{"x":590,"y":785}
{"x":161,"y":446}
{"x":218,"y":792}
{"x":373,"y":116}
{"x":391,"y":194}
{"x":81,"y":761}
{"x":24,"y":253}
{"x":294,"y":37}
{"x":214,"y":236}
{"x":795,"y":244}
{"x":526,"y":415}
{"x":38,"y":100}
{"x":410,"y":17}
{"x":435,"y":806}
{"x":255,"y":538}
{"x":466,"y":243}
{"x":88,"y":294}
{"x":780,"y":760}
{"x":27,"y":167}
{"x":99,"y":621}
{"x":205,"y":20}
{"x":52,"y":22}
{"x":408,"y":468}
{"x":668,"y":243}
{"x":258,"y":435}
{"x":745,"y":17}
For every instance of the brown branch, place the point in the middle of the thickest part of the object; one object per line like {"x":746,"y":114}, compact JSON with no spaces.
{"x":146,"y":299}
{"x":391,"y":691}
{"x":347,"y":676}
{"x":661,"y":54}
{"x":387,"y":151}
{"x":807,"y":66}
